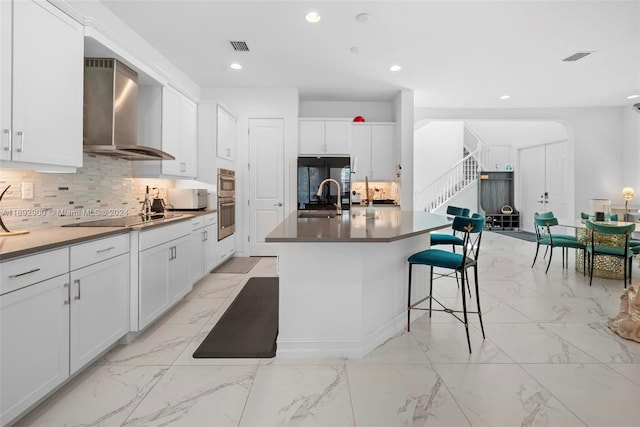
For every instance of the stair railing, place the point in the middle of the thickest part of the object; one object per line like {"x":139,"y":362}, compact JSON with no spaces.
{"x":461,"y":175}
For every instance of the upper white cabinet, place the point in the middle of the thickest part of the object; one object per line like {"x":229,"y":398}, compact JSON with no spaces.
{"x":41,"y":86}
{"x":168,"y":120}
{"x":225,"y":134}
{"x":179,"y":134}
{"x":324,"y":137}
{"x":372,"y":151}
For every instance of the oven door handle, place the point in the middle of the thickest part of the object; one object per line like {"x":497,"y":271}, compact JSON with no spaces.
{"x":225,"y":205}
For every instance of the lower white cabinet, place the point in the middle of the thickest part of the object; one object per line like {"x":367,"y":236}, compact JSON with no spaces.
{"x":53,"y":321}
{"x":99,"y":308}
{"x":34,"y":344}
{"x":226,"y":248}
{"x":210,"y":243}
{"x":204,"y":244}
{"x":164,"y":271}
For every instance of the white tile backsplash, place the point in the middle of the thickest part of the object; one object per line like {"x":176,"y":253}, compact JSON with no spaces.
{"x":102,"y":187}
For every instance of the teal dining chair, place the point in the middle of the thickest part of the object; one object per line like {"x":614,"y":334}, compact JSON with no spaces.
{"x":612,"y":241}
{"x":470,"y":230}
{"x":544,"y":237}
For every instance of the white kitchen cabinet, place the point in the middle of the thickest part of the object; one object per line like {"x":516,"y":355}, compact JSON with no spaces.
{"x":197,"y":238}
{"x":225,"y":134}
{"x":179,"y":134}
{"x":204,"y":242}
{"x":226,"y":248}
{"x":164,"y":271}
{"x":180,"y":269}
{"x":154,"y":283}
{"x":99,"y":308}
{"x":210,"y":243}
{"x":34,"y":332}
{"x":373,"y":151}
{"x":41,"y":106}
{"x":324,"y":137}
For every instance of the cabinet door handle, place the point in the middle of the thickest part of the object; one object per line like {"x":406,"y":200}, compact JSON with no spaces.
{"x":68,"y":300}
{"x":204,"y":236}
{"x":175,"y":252}
{"x":78,"y":282}
{"x":9,"y":135}
{"x":105,"y":249}
{"x":21,"y":135}
{"x":170,"y":253}
{"x":228,"y":152}
{"x":13,"y":276}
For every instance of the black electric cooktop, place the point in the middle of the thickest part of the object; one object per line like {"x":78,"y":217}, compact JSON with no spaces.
{"x":123,"y":221}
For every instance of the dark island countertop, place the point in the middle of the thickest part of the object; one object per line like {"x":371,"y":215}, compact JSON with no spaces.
{"x":353,"y":226}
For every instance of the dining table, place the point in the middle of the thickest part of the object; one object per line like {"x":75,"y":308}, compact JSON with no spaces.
{"x":608,"y":267}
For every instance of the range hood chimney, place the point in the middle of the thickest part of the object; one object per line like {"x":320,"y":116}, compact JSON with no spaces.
{"x":111,"y":112}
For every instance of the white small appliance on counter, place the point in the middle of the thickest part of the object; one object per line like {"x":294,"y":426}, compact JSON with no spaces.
{"x":186,"y":198}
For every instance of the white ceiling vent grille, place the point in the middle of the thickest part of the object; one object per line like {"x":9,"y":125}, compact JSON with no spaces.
{"x":576,"y":56}
{"x":239,"y":46}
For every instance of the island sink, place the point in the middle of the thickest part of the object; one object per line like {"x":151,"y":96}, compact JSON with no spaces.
{"x":316,"y":214}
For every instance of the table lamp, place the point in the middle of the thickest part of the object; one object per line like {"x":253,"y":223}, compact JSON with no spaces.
{"x":627,"y":194}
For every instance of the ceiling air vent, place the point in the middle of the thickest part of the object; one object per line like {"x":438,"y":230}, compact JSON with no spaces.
{"x":576,"y":56}
{"x":239,"y":46}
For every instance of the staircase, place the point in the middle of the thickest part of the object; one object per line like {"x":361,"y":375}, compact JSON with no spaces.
{"x":457,"y":178}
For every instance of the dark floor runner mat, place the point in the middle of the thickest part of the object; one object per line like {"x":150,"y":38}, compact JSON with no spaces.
{"x":249,"y":327}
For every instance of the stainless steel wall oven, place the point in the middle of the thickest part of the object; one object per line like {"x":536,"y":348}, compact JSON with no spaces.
{"x":226,"y":203}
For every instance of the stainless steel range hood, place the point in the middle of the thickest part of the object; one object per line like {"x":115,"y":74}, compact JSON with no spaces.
{"x":111,"y":112}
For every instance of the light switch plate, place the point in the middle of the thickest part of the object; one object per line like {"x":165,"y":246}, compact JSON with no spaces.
{"x":27,"y":190}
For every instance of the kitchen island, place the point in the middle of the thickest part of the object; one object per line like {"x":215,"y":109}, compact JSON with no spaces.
{"x":343,"y":280}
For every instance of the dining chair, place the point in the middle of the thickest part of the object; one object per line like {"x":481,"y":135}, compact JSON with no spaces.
{"x":543,"y":224}
{"x":610,"y":240}
{"x":452,"y":239}
{"x":470,"y":230}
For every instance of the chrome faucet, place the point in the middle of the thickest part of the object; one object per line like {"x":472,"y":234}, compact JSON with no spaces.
{"x":339,"y":204}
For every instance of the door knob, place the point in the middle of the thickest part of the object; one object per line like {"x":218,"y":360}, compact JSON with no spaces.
{"x":277,"y":204}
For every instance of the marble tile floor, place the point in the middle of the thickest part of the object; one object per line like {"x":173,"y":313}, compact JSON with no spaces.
{"x":548,"y":360}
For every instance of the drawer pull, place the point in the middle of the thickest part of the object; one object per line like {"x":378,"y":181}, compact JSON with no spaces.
{"x":105,"y":249}
{"x":13,"y":276}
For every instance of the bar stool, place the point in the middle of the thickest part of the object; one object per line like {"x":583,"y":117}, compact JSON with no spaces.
{"x":450,"y":239}
{"x":470,"y":230}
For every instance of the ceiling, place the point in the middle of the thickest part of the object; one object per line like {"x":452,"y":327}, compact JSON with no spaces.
{"x":453,"y":54}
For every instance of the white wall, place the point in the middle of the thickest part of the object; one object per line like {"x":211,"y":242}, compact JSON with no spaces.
{"x":403,"y":115}
{"x":631,"y":152}
{"x":437,"y":147}
{"x":371,"y":111}
{"x":595,"y":138}
{"x":246,"y":103}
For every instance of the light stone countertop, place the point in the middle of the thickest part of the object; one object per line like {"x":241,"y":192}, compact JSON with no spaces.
{"x":50,"y":238}
{"x":353,"y":226}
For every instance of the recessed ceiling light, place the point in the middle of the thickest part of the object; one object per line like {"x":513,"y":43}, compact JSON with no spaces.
{"x":395,"y":68}
{"x":633,"y":96}
{"x":312,"y":17}
{"x":505,"y":97}
{"x":236,"y":66}
{"x":355,"y":49}
{"x":362,"y":17}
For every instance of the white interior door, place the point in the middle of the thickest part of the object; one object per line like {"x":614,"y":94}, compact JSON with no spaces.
{"x":266,"y":174}
{"x":543,"y":182}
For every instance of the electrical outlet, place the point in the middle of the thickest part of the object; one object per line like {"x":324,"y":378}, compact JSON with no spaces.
{"x":27,"y":190}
